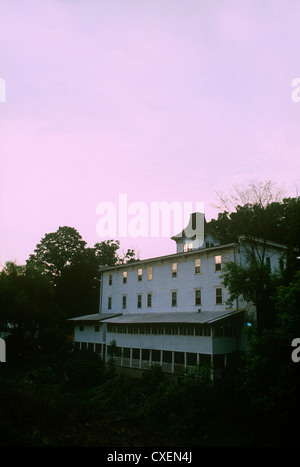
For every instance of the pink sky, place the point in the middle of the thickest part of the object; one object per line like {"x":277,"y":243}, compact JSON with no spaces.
{"x":161,"y":100}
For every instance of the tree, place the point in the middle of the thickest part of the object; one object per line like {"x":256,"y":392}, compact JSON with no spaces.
{"x":27,"y":305}
{"x":74,"y":268}
{"x":57,"y":250}
{"x":259,"y":212}
{"x":106,"y":253}
{"x":270,"y":377}
{"x":256,"y":193}
{"x":77,"y":288}
{"x":255,"y":282}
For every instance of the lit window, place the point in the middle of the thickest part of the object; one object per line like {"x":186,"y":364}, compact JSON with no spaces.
{"x":174,"y":298}
{"x":124,"y":277}
{"x":140,"y":274}
{"x":139,"y":301}
{"x":124,"y":299}
{"x":149,"y":300}
{"x":109,"y":303}
{"x":198,"y":297}
{"x":197,"y":266}
{"x":218,"y":263}
{"x":219,"y":298}
{"x":150,"y":273}
{"x":174,"y":270}
{"x":187,"y":246}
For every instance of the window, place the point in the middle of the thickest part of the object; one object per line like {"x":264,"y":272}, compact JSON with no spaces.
{"x":97,"y":328}
{"x":198,"y":297}
{"x":149,"y":300}
{"x":174,"y":270}
{"x":219,"y":298}
{"x":197,"y":266}
{"x":150,"y":273}
{"x":179,"y":358}
{"x":268,"y":261}
{"x":218,"y":263}
{"x":109,"y":303}
{"x":187,"y":246}
{"x":81,"y":327}
{"x":174,"y":298}
{"x":124,"y":277}
{"x":191,"y":358}
{"x":124,"y":300}
{"x":167,"y":356}
{"x":155,"y":355}
{"x":110,"y":279}
{"x":139,"y":300}
{"x":140,"y":274}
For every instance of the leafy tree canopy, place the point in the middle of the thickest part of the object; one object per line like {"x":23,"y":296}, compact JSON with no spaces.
{"x":57,"y":250}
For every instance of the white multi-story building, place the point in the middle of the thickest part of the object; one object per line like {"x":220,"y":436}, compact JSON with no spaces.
{"x":172,"y":310}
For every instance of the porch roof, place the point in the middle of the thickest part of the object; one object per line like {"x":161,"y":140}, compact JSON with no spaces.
{"x":172,"y":317}
{"x":95,"y":317}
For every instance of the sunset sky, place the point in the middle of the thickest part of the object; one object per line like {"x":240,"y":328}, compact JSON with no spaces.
{"x":160,"y":100}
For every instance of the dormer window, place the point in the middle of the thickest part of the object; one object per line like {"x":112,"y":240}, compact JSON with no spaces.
{"x":187,"y":246}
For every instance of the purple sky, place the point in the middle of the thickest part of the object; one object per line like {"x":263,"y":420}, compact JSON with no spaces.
{"x":161,"y":100}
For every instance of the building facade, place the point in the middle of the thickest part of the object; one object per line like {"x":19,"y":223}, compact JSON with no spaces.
{"x":172,"y":310}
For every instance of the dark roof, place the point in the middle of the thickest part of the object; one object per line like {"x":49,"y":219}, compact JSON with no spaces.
{"x":160,"y":317}
{"x":172,"y":317}
{"x":95,"y":317}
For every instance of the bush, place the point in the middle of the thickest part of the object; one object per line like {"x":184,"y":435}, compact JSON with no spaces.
{"x":83,"y":369}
